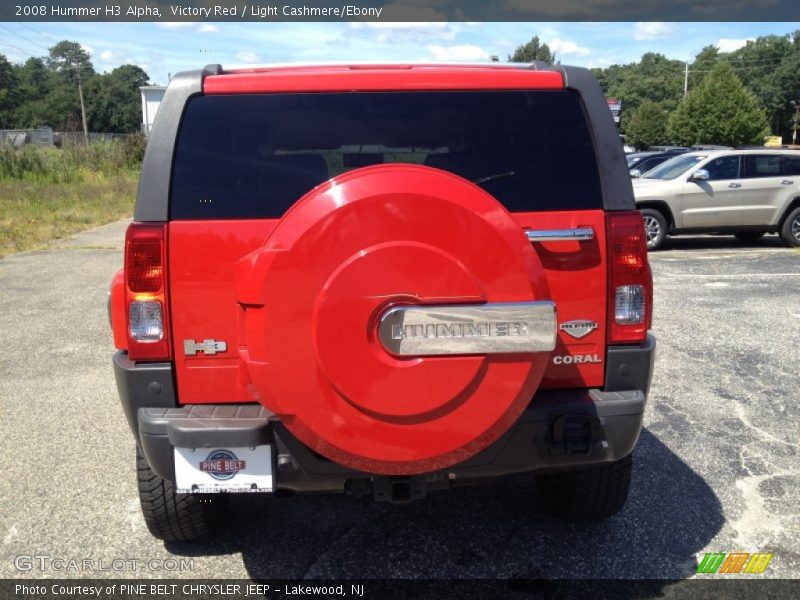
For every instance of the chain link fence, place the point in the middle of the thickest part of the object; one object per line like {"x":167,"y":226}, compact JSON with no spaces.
{"x":16,"y":138}
{"x":46,"y":137}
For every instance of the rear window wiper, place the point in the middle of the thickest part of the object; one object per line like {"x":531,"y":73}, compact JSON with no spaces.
{"x":494,"y":177}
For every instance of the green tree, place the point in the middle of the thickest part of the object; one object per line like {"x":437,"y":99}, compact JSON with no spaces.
{"x":647,"y":125}
{"x":72,"y":62}
{"x":702,"y":65}
{"x":533,"y":50}
{"x":770,"y":68}
{"x":34,"y":79}
{"x":34,"y":82}
{"x":114,"y":102}
{"x":720,"y":111}
{"x":654,"y":77}
{"x":8,"y":92}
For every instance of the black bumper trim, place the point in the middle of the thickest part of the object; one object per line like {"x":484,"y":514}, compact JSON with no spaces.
{"x":142,"y":385}
{"x":630,"y":367}
{"x":532,"y":445}
{"x":209,"y":425}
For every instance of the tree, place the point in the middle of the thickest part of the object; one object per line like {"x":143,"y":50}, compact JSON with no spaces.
{"x":533,"y":50}
{"x":72,"y":61}
{"x":8,"y":87}
{"x":720,"y":111}
{"x":647,"y":125}
{"x":34,"y":82}
{"x":654,"y":77}
{"x":114,"y":100}
{"x":702,"y":65}
{"x":770,"y":68}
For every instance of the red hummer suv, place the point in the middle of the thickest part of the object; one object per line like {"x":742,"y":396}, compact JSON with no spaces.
{"x":382,"y":280}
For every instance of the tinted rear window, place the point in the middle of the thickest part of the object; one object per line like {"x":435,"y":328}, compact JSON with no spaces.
{"x":253,"y":156}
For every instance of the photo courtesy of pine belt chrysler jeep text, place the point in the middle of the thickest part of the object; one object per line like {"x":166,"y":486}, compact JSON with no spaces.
{"x":386,"y":281}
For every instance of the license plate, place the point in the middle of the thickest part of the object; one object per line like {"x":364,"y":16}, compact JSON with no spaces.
{"x":213,"y":470}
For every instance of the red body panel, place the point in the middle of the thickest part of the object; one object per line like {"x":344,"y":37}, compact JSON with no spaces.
{"x":118,"y":318}
{"x":202,"y":281}
{"x":577,"y":276}
{"x":378,"y":78}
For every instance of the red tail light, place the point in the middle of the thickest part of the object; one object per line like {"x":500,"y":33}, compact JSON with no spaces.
{"x":146,"y":300}
{"x":630,"y":289}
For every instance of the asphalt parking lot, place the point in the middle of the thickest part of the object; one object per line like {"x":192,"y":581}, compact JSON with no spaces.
{"x":716,"y":468}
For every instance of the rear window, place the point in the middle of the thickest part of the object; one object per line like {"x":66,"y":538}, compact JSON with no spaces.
{"x":767,"y":165}
{"x":791,"y":165}
{"x":253,"y":156}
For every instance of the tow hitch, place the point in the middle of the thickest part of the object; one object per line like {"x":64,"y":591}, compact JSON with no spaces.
{"x":577,"y":434}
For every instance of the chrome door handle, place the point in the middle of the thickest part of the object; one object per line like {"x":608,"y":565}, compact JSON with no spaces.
{"x":560,"y":235}
{"x":734,"y":185}
{"x":786,"y":182}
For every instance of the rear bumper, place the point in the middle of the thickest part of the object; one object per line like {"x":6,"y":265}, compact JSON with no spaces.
{"x":560,"y":429}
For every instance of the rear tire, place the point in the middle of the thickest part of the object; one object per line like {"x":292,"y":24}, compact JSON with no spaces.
{"x":790,"y":232}
{"x":655,"y":227}
{"x":590,"y":494}
{"x":175,"y":517}
{"x":749,"y":237}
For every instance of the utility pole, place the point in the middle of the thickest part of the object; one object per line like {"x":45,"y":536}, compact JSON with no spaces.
{"x":83,"y":109}
{"x":686,"y":80}
{"x":796,"y":118}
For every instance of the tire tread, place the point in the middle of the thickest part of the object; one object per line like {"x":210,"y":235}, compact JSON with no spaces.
{"x":169,"y":516}
{"x":593,"y":494}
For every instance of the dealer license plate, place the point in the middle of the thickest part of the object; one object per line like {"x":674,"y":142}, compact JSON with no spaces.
{"x":213,"y":470}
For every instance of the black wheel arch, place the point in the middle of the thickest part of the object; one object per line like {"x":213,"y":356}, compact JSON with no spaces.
{"x":795,"y":203}
{"x":660,"y":206}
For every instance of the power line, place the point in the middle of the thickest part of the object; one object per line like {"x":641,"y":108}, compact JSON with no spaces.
{"x":29,"y":28}
{"x":739,"y":59}
{"x":27,"y":41}
{"x":18,"y":49}
{"x":43,"y":35}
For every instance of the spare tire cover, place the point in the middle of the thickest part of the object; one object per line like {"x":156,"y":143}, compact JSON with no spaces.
{"x":314,"y":295}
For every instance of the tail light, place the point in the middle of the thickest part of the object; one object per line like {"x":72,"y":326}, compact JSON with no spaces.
{"x":146,"y":300}
{"x":630,"y":289}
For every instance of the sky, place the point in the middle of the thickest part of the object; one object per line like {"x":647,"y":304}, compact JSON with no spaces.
{"x":162,"y":49}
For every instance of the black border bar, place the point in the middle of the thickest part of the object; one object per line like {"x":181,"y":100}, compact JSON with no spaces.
{"x":397,"y":10}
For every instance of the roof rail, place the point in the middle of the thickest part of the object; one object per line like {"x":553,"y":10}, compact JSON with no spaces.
{"x":540,"y":65}
{"x":212,"y":70}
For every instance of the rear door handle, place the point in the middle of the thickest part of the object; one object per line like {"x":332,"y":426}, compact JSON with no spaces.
{"x":560,"y":235}
{"x":734,"y":185}
{"x":786,"y":182}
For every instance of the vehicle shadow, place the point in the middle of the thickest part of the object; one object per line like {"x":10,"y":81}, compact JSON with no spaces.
{"x":500,"y":530}
{"x":718,"y":242}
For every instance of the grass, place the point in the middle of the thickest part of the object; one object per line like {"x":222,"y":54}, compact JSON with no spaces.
{"x":35,"y":213}
{"x":47,"y":194}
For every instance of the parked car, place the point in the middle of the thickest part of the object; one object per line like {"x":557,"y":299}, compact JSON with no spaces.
{"x":423,"y":277}
{"x":743,"y":192}
{"x":708,"y":147}
{"x":674,"y":149}
{"x":641,"y":162}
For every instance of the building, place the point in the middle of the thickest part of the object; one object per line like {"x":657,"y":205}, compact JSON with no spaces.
{"x":152,"y":95}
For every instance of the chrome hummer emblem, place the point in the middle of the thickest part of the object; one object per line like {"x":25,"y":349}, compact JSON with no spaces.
{"x":207,"y":347}
{"x":493,"y":328}
{"x":579,"y":328}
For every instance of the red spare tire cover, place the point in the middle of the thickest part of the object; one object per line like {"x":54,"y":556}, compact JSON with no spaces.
{"x":313,"y":296}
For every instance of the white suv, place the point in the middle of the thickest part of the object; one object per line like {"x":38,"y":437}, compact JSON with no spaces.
{"x":743,"y":192}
